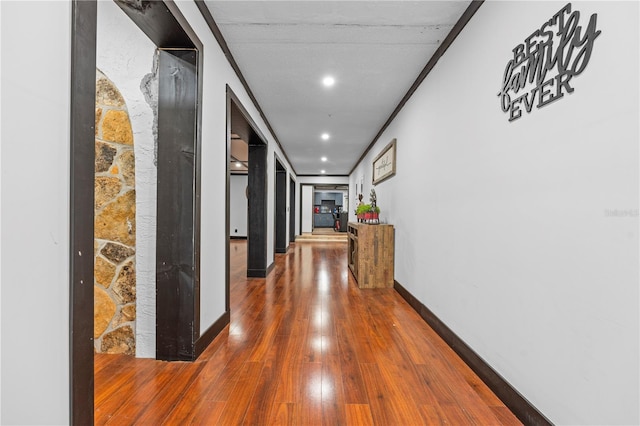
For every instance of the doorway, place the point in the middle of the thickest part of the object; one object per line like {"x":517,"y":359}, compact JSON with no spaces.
{"x":179,"y":51}
{"x":178,"y":177}
{"x":324,"y":208}
{"x":331,"y":208}
{"x":240,"y":124}
{"x":292,"y":210}
{"x":280,"y":207}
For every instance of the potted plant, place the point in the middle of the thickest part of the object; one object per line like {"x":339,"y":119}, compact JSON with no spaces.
{"x":372,"y":215}
{"x":374,"y":210}
{"x":375,"y":213}
{"x":361,"y":211}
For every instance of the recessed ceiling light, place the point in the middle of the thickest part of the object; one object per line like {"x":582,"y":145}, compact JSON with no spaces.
{"x":325,"y":136}
{"x":328,"y":81}
{"x":238,"y":164}
{"x":324,"y":158}
{"x":323,"y":171}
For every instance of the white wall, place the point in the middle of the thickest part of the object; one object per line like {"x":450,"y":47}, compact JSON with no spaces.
{"x":35,"y":211}
{"x":217,"y":74}
{"x":306,"y":208}
{"x":35,"y":356}
{"x":0,"y":225}
{"x":125,"y":55}
{"x":504,"y":229}
{"x":238,"y":205}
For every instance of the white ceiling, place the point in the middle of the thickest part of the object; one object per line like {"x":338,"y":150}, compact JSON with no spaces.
{"x":375,"y":51}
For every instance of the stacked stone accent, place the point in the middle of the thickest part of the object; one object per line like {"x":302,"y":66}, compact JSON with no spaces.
{"x":115,"y":224}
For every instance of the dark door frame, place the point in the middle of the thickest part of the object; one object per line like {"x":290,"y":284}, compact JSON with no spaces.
{"x":82,"y":176}
{"x":177,"y":248}
{"x":240,"y":122}
{"x":165,"y":25}
{"x":179,"y":140}
{"x":280,"y":242}
{"x":292,"y":209}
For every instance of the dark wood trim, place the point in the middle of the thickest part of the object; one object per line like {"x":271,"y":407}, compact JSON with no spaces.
{"x":227,"y":198}
{"x":237,"y":116}
{"x":282,"y":250}
{"x":234,"y":237}
{"x":82,"y":176}
{"x":280,"y":241}
{"x":162,"y":22}
{"x":178,"y":254}
{"x":245,"y":114}
{"x":261,"y":273}
{"x":177,"y":250}
{"x":191,"y":35}
{"x":292,"y":209}
{"x":518,"y":404}
{"x":185,"y":27}
{"x":177,"y":257}
{"x":206,"y":14}
{"x":212,"y":332}
{"x":257,"y":202}
{"x":453,"y":34}
{"x":408,"y":297}
{"x":257,"y":273}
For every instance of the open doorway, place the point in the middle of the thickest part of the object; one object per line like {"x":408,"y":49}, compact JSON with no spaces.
{"x":177,"y":251}
{"x":330,"y":208}
{"x":281,"y":243}
{"x":292,"y":209}
{"x":238,"y":187}
{"x":177,"y":302}
{"x":241,"y":127}
{"x":324,"y":208}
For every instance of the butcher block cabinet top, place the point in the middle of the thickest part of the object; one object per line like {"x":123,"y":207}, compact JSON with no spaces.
{"x":371,"y":251}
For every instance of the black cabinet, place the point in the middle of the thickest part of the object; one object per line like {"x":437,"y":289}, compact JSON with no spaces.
{"x":343,"y":218}
{"x":323,"y":220}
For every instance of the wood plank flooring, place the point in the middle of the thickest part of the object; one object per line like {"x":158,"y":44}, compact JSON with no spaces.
{"x":305,"y":347}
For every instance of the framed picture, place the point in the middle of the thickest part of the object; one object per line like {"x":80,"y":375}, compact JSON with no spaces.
{"x":384,"y":165}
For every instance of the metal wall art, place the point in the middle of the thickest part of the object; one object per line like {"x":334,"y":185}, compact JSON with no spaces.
{"x":542,"y":67}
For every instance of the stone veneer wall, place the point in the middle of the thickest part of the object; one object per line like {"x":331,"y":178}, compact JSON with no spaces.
{"x":115,"y":223}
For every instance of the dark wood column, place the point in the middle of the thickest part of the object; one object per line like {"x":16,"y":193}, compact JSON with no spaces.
{"x":82,"y":152}
{"x":292,"y":211}
{"x":280,"y":208}
{"x":257,"y":221}
{"x":177,"y":292}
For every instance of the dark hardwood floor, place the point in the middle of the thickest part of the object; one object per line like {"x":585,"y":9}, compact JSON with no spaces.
{"x":305,"y":347}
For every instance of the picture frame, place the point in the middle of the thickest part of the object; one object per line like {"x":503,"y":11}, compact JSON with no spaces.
{"x":384,"y":165}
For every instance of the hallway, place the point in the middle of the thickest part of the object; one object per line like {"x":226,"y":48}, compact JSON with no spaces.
{"x":305,"y":347}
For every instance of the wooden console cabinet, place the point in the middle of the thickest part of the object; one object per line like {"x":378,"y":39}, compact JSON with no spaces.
{"x":371,"y":249}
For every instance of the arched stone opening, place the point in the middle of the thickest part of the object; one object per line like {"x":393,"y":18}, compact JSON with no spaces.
{"x":115,"y":223}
